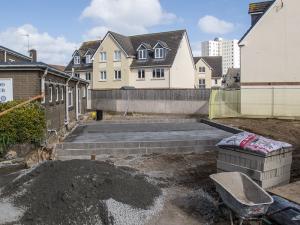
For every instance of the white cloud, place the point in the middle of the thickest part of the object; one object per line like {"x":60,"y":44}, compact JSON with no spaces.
{"x":96,"y":33}
{"x":196,"y":48}
{"x":52,"y":50}
{"x":213,"y":25}
{"x":128,"y":16}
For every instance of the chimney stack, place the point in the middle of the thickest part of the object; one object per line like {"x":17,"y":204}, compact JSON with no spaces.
{"x":33,"y":55}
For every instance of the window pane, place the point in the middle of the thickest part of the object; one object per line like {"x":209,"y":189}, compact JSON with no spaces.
{"x":158,"y":73}
{"x":153,"y":73}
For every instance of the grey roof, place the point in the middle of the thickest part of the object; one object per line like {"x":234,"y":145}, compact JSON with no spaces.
{"x":170,"y":40}
{"x":15,"y":53}
{"x":88,"y":46}
{"x":4,"y":66}
{"x":259,"y":7}
{"x":232,"y":78}
{"x":215,"y":62}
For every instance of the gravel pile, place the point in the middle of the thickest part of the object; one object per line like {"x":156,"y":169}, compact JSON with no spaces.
{"x":82,"y":192}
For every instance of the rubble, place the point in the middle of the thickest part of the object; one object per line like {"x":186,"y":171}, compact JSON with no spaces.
{"x":80,"y":192}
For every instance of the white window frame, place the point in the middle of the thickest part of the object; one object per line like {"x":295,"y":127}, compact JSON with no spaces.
{"x":84,"y":92}
{"x":159,"y":53}
{"x":70,"y":92}
{"x":50,"y":94}
{"x":142,"y":54}
{"x":103,"y":75}
{"x":202,"y":83}
{"x":118,"y":75}
{"x":202,"y":69}
{"x":62,"y":93}
{"x":76,"y":60}
{"x":88,"y":59}
{"x":103,"y":56}
{"x":57,"y":93}
{"x":141,"y":74}
{"x":117,"y":55}
{"x":88,"y":76}
{"x":160,"y":71}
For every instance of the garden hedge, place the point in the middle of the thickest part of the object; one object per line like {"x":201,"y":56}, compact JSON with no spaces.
{"x":23,"y":125}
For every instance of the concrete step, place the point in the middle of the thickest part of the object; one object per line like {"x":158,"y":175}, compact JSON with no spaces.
{"x":68,"y":154}
{"x":144,"y":120}
{"x":135,"y":144}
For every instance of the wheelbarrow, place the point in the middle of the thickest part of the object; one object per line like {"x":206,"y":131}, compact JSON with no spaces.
{"x":242,"y":195}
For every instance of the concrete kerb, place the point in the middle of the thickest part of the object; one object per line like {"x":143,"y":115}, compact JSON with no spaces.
{"x":220,"y":126}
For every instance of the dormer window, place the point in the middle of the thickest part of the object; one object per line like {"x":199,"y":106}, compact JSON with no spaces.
{"x":159,"y":53}
{"x":142,"y":54}
{"x":77,"y":60}
{"x":88,"y":59}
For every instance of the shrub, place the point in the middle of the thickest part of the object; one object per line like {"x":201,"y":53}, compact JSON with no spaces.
{"x":22,"y":125}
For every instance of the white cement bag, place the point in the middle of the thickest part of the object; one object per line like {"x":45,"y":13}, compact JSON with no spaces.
{"x":252,"y":142}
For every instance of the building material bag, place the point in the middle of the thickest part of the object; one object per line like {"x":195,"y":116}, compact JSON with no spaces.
{"x":253,"y":143}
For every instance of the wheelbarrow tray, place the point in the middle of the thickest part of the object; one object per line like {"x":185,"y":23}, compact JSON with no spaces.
{"x":241,"y":194}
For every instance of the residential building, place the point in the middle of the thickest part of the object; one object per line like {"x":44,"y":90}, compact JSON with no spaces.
{"x":232,"y":79}
{"x":157,"y":60}
{"x":8,"y":55}
{"x":270,"y":60}
{"x":230,"y":55}
{"x":64,"y":96}
{"x":208,"y":72}
{"x":81,"y":64}
{"x":212,"y":48}
{"x":228,"y":49}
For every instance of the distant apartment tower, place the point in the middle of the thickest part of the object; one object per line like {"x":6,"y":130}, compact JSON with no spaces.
{"x":228,"y":49}
{"x":212,"y":48}
{"x":231,"y":55}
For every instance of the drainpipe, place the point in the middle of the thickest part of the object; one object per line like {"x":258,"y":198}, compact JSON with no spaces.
{"x":77,"y":100}
{"x":67,"y":98}
{"x":43,"y":84}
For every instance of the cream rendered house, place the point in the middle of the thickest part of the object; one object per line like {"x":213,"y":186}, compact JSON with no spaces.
{"x":159,"y":60}
{"x":208,"y":72}
{"x":270,"y":68}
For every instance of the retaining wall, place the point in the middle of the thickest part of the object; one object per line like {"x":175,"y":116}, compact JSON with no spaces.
{"x":157,"y":101}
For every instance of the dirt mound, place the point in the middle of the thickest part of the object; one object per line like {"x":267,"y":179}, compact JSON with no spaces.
{"x":76,"y":192}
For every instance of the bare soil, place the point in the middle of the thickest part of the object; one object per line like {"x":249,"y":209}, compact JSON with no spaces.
{"x":282,"y":130}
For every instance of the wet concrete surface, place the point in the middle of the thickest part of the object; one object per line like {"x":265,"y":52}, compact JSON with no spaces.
{"x":98,"y":132}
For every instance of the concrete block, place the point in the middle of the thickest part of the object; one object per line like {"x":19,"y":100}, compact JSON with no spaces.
{"x":267,"y":179}
{"x":255,"y":162}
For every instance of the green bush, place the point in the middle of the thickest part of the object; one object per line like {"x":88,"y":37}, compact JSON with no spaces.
{"x":22,"y":125}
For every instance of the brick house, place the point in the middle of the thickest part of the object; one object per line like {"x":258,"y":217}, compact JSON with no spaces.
{"x":65,"y":96}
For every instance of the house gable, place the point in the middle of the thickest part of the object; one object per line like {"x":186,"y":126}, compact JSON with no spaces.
{"x":253,"y":26}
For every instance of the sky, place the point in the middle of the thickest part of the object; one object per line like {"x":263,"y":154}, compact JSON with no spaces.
{"x":56,"y":28}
